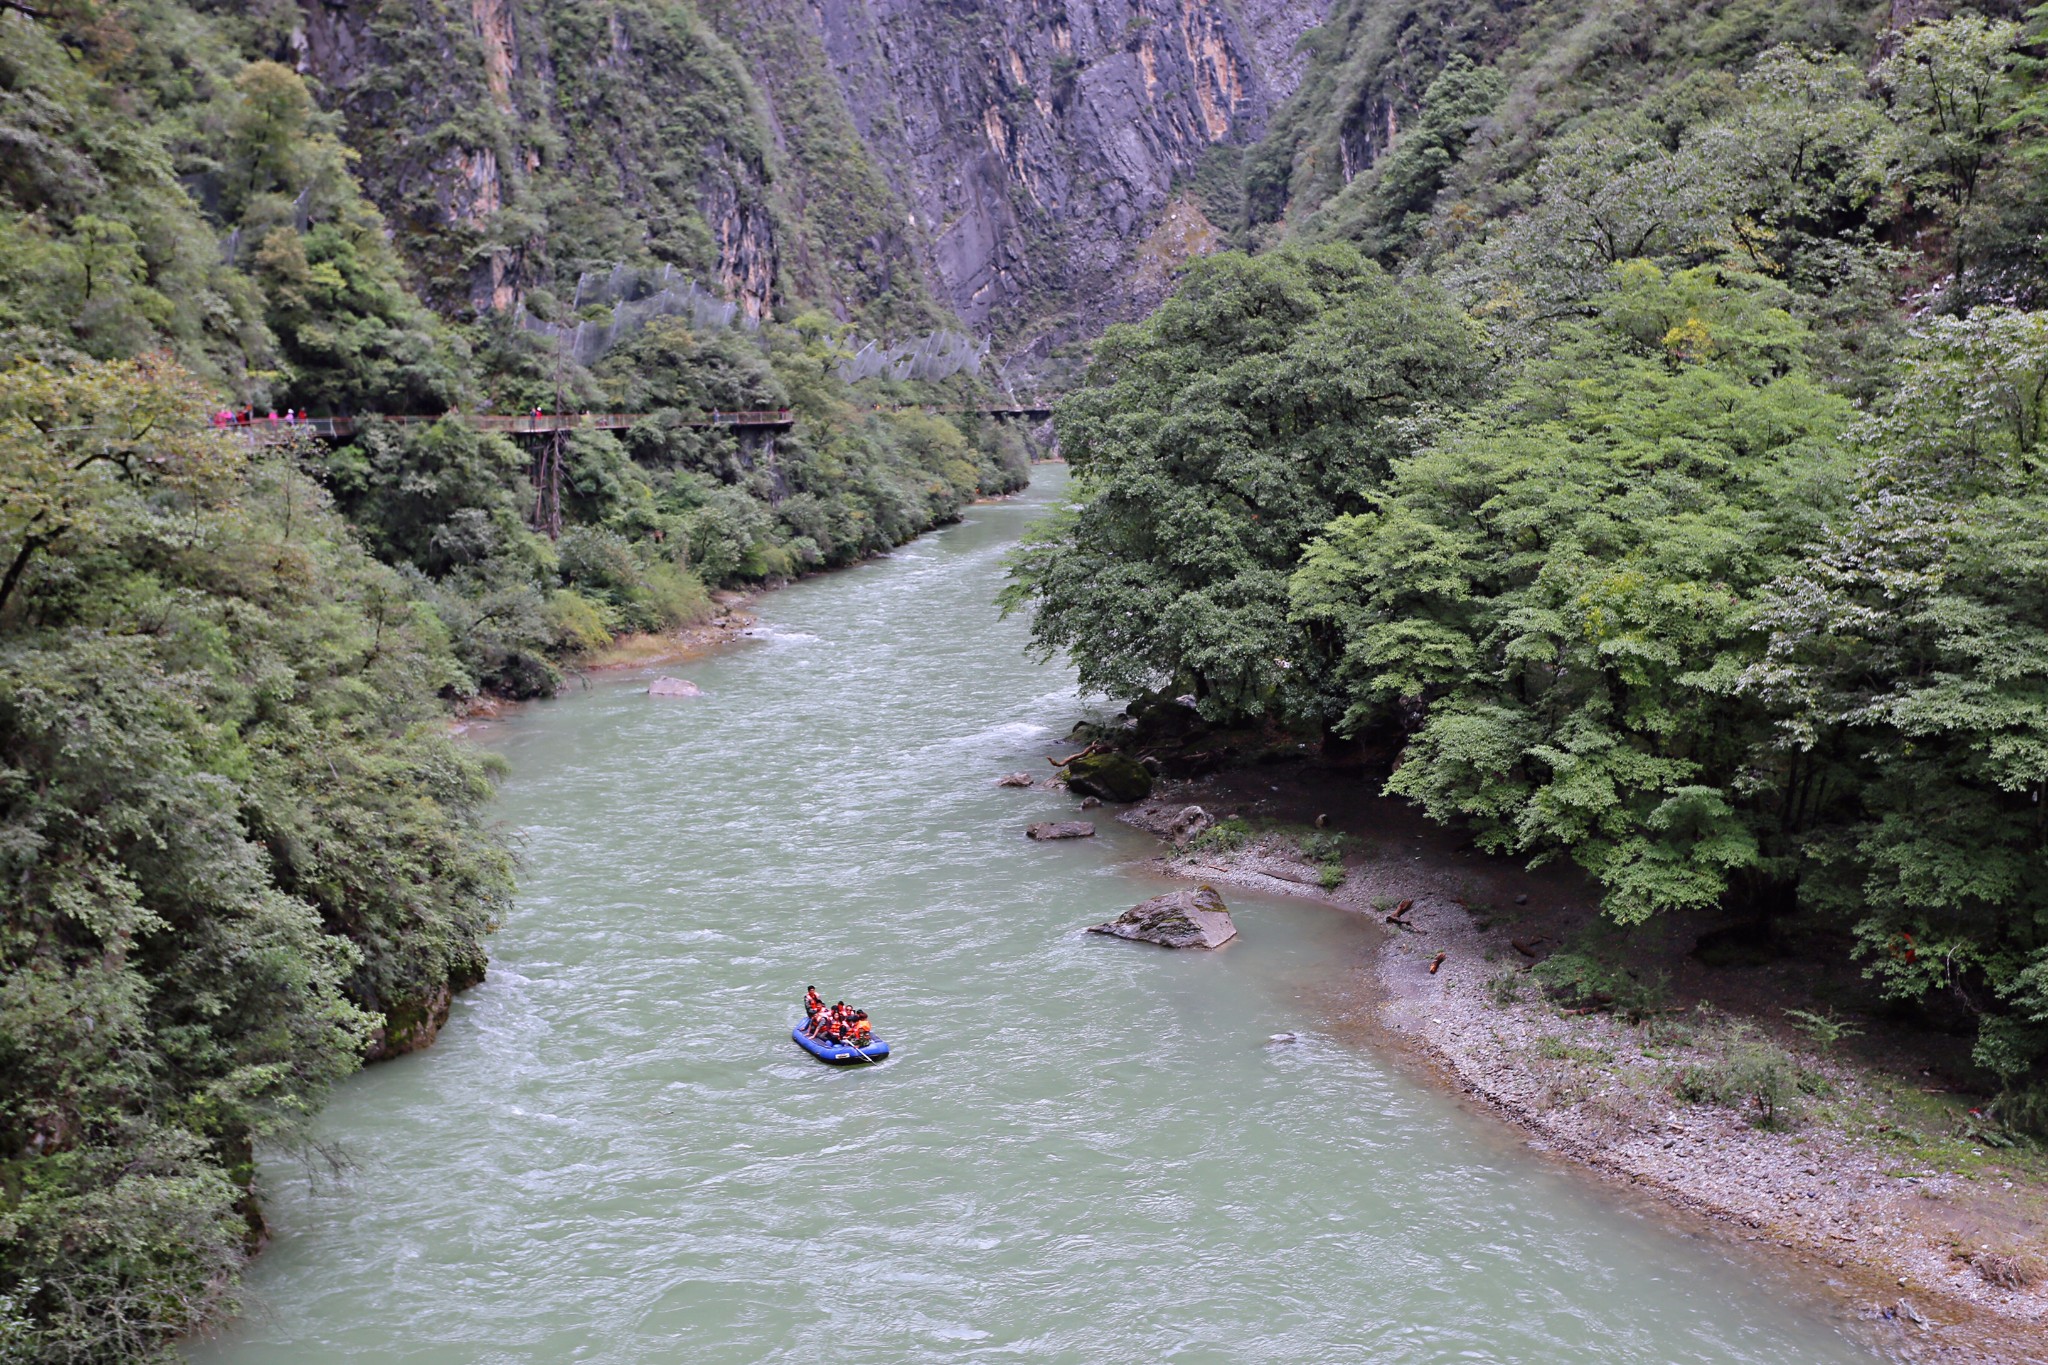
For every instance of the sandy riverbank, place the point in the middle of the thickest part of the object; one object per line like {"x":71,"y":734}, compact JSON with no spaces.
{"x":730,"y":619}
{"x":731,"y":616}
{"x":1870,"y":1189}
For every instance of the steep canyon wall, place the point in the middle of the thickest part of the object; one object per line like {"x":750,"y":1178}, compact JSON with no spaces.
{"x":1018,"y":163}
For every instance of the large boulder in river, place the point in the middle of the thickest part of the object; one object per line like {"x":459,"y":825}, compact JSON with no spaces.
{"x":1060,"y":829}
{"x":674,"y":687}
{"x":1194,"y":917}
{"x":1113,"y":777}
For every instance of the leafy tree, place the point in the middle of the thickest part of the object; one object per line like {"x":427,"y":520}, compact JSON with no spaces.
{"x":1394,"y":205}
{"x":1908,"y":661}
{"x":1565,"y":581}
{"x":88,"y":452}
{"x":1947,"y":90}
{"x":100,"y":246}
{"x":1267,"y":396}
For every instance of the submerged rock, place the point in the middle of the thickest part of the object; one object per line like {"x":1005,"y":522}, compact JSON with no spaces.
{"x":1014,"y":780}
{"x":1060,"y":829}
{"x":1194,"y":917}
{"x":1113,"y":777}
{"x":674,"y":687}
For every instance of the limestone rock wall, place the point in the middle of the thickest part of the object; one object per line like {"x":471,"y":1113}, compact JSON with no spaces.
{"x":1016,"y":162}
{"x":1035,"y":144}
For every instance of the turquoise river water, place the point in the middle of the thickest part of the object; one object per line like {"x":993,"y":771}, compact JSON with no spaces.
{"x":1084,"y":1150}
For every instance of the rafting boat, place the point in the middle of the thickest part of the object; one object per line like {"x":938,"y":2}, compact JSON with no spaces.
{"x":840,"y":1054}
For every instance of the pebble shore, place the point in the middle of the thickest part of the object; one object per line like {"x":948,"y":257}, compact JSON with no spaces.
{"x":1892,"y":1239}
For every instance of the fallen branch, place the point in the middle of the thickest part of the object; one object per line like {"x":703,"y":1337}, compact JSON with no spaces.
{"x":1526,"y":947}
{"x":1403,"y":908}
{"x":1435,"y":963}
{"x":1088,"y":752}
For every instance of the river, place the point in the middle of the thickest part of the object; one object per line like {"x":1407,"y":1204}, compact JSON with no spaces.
{"x":1084,"y":1150}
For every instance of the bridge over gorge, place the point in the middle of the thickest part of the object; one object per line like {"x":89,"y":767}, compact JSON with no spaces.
{"x":268,"y":430}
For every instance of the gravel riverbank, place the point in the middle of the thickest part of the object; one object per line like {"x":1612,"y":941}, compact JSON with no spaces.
{"x":1934,"y":1236}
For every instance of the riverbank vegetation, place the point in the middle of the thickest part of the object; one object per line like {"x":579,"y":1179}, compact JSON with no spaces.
{"x":240,"y":847}
{"x":1681,"y":512}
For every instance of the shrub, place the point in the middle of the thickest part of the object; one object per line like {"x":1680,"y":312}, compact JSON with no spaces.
{"x":576,"y":623}
{"x":1824,"y":1029}
{"x":1225,"y":836}
{"x":1324,"y":846}
{"x":677,"y":596}
{"x":1746,"y":1072}
{"x":1580,"y":979}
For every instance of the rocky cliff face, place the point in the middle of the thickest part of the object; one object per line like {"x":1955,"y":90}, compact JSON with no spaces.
{"x":1036,"y":144}
{"x":514,"y":143}
{"x":1016,"y":161}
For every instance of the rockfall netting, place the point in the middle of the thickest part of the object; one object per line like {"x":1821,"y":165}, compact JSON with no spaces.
{"x":635,"y":296}
{"x":938,"y":355}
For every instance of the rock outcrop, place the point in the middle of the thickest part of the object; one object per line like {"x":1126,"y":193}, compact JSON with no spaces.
{"x":512,"y":143}
{"x":1194,"y":917}
{"x":1060,"y":829}
{"x":1111,"y":776}
{"x":1191,"y":821}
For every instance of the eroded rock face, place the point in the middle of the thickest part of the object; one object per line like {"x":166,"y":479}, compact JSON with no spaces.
{"x":1060,"y":829}
{"x":1194,"y":917}
{"x":410,"y":1026}
{"x":470,"y":115}
{"x":1036,"y":145}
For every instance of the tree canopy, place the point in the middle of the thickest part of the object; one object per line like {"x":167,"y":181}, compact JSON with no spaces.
{"x":1267,"y":396}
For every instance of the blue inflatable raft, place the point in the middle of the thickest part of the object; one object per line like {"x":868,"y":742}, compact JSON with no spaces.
{"x":840,"y":1054}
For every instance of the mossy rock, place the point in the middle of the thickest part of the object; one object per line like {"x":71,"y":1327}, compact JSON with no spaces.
{"x":1113,"y":777}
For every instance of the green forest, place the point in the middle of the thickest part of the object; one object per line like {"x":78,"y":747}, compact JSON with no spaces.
{"x":242,"y":852}
{"x":1645,"y":455}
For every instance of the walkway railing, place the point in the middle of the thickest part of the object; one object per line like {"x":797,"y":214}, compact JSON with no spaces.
{"x":268,"y":430}
{"x":277,"y":430}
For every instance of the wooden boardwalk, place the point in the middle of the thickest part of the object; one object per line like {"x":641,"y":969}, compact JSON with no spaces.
{"x":276,"y":430}
{"x":267,"y":429}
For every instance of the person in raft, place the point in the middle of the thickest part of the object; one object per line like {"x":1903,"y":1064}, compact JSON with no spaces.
{"x":840,"y":1023}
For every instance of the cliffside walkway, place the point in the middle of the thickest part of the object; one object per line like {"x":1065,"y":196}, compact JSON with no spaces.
{"x":264,"y":430}
{"x":276,"y":431}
